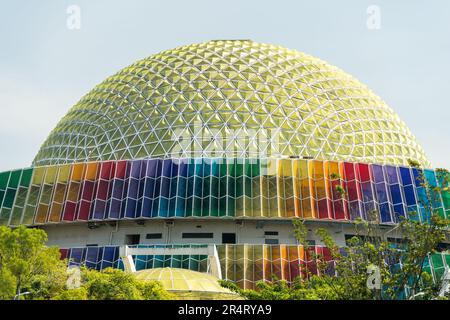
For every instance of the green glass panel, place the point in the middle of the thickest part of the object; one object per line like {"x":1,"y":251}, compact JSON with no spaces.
{"x":14,"y":179}
{"x":9,"y":198}
{"x":26,"y":177}
{"x":4,"y":177}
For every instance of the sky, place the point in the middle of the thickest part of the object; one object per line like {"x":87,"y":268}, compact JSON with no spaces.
{"x":400,"y":49}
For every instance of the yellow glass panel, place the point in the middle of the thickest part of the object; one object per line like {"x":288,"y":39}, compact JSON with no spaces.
{"x":64,"y":173}
{"x":50,"y":175}
{"x":286,"y":202}
{"x":267,"y":262}
{"x":38,"y":175}
{"x":249,"y":261}
{"x":259,"y":263}
{"x":41,"y":214}
{"x":55,"y":212}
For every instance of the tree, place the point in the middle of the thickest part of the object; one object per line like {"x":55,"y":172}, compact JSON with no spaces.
{"x":114,"y":284}
{"x":29,"y":264}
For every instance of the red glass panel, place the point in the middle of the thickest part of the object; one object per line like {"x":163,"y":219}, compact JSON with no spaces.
{"x":121,"y":168}
{"x":106,"y":170}
{"x":102,"y":191}
{"x":349,"y":172}
{"x":64,"y":253}
{"x":364,"y":173}
{"x":69,"y":212}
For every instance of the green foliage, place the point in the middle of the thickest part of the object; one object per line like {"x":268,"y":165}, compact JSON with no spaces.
{"x":315,"y":288}
{"x":73,"y":294}
{"x":28,"y":265}
{"x":153,"y":290}
{"x":341,"y":191}
{"x":114,"y":284}
{"x":32,"y":266}
{"x":300,"y":231}
{"x":111,"y":284}
{"x":414,"y":163}
{"x":7,"y":284}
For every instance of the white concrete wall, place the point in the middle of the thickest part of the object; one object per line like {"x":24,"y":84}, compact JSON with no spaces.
{"x":248,"y":231}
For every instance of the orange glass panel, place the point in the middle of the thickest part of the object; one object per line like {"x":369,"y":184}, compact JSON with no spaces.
{"x":284,"y":262}
{"x":91,"y":171}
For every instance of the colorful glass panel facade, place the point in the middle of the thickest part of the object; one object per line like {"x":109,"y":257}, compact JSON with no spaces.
{"x":203,"y":187}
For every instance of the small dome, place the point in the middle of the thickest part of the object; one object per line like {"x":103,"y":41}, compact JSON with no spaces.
{"x":186,"y":283}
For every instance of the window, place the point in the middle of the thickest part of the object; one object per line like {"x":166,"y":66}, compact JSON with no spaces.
{"x":443,"y":247}
{"x":132,"y":239}
{"x":270,"y":233}
{"x":271,"y":241}
{"x":228,"y":237}
{"x":153,"y":236}
{"x":197,"y":235}
{"x":92,"y":245}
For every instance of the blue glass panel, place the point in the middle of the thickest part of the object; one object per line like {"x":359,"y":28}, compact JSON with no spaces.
{"x":355,"y":210}
{"x":77,"y":256}
{"x":405,"y":175}
{"x":381,"y":193}
{"x":391,"y":174}
{"x":377,"y":173}
{"x":142,"y":178}
{"x":157,"y":190}
{"x":399,"y":211}
{"x":417,"y":174}
{"x":367,"y":194}
{"x":114,"y":208}
{"x":117,"y":191}
{"x":92,"y":257}
{"x":110,"y":255}
{"x":409,"y":195}
{"x":385,"y":213}
{"x":395,"y":194}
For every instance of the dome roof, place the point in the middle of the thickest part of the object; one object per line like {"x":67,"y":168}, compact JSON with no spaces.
{"x":181,"y":281}
{"x":230,"y":99}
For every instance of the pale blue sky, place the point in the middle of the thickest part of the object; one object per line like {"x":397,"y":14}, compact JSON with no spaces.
{"x":45,"y":67}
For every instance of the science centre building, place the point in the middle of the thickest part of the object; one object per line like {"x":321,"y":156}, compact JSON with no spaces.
{"x":200,"y":157}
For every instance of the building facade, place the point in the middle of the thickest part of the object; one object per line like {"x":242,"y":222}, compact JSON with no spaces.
{"x":222,"y":143}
